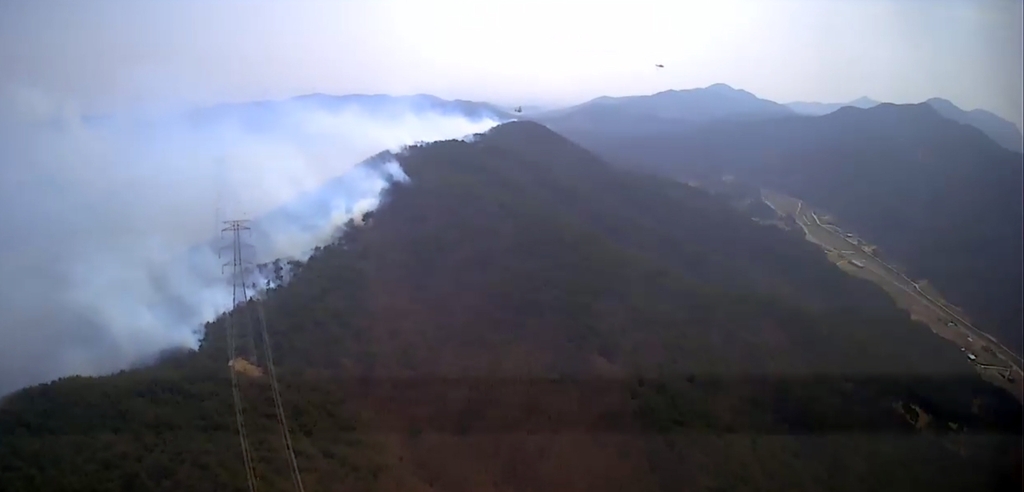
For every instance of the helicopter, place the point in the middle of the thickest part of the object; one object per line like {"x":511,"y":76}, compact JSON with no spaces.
{"x":658,"y":65}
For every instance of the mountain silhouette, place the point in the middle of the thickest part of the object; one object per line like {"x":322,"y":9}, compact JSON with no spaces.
{"x":664,"y":111}
{"x":998,"y":129}
{"x":819,"y":109}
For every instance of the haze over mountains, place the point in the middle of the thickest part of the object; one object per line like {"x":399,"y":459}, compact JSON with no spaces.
{"x":519,"y":297}
{"x":941,"y":197}
{"x":1003,"y":132}
{"x":819,"y":109}
{"x":544,"y":305}
{"x":511,"y":246}
{"x":998,"y":129}
{"x":378,"y":105}
{"x":670,"y":110}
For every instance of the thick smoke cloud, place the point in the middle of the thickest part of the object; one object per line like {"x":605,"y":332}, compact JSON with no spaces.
{"x":108,"y":222}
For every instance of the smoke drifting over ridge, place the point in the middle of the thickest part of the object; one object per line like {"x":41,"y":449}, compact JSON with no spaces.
{"x":107,"y":221}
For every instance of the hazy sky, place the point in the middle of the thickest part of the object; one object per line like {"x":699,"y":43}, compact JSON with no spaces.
{"x":105,"y":54}
{"x":98,"y":213}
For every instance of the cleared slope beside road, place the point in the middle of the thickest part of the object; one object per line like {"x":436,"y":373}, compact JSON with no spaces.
{"x":881,"y":271}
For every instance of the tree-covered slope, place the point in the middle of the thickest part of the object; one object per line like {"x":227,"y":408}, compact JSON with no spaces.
{"x":522,"y":316}
{"x":938,"y":197}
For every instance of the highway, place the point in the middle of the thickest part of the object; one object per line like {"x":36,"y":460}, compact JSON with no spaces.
{"x":832,"y":239}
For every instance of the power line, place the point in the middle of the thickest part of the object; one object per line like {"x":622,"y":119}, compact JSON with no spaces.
{"x":236,"y":264}
{"x":240,"y":297}
{"x":275,"y":390}
{"x":250,"y":472}
{"x":239,"y":272}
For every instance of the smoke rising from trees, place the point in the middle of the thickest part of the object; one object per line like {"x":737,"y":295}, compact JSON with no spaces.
{"x":102,"y":215}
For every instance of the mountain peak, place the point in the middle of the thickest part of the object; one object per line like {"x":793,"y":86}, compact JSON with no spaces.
{"x":863,"y":102}
{"x":721,"y":87}
{"x":939,"y":102}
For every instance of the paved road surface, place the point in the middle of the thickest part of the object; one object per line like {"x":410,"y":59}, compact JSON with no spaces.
{"x":817,"y":232}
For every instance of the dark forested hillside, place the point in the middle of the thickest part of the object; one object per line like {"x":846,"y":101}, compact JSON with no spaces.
{"x":937,"y":196}
{"x":523,"y":316}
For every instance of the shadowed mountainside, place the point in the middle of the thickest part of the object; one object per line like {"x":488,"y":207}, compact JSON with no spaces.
{"x":937,"y":196}
{"x":1001,"y":131}
{"x":998,"y":129}
{"x":520,"y":315}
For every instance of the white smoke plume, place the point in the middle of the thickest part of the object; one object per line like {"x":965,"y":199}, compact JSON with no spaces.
{"x":101,"y":216}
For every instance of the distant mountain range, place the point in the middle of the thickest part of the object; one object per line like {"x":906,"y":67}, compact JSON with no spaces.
{"x":713,"y":102}
{"x":673,"y":110}
{"x":940,"y":197}
{"x":664,"y":111}
{"x":998,"y":129}
{"x":1003,"y":132}
{"x":819,"y":109}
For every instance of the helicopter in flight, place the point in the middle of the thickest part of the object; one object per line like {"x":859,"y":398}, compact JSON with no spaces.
{"x":658,"y":65}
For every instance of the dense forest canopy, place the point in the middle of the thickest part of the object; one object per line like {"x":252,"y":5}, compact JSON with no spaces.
{"x":938,"y":197}
{"x":521,"y":315}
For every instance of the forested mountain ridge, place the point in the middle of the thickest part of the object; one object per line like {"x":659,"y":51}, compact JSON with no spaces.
{"x":938,"y":197}
{"x":523,"y":316}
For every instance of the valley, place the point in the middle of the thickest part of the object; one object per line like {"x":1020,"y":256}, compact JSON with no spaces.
{"x":993,"y":361}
